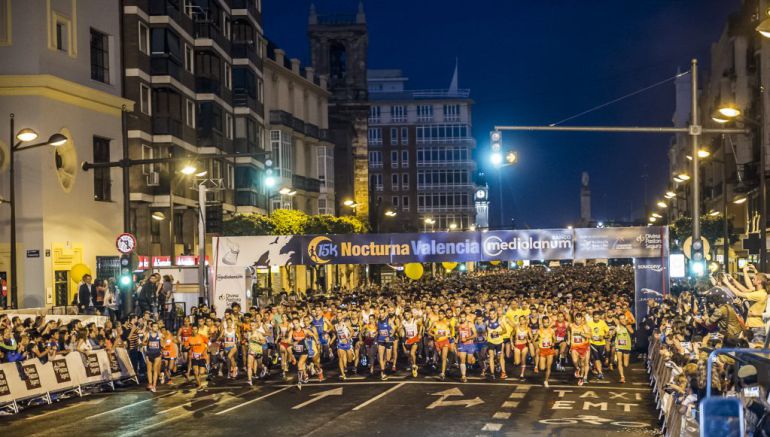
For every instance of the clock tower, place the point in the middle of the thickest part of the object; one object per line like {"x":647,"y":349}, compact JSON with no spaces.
{"x":481,"y":201}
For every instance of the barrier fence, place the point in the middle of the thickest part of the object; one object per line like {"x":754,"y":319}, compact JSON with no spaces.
{"x":30,"y":380}
{"x":678,"y":420}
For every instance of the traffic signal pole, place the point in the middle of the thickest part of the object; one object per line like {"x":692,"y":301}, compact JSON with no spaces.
{"x":695,"y":130}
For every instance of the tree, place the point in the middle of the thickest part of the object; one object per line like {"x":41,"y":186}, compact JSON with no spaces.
{"x":249,"y":224}
{"x":292,"y":222}
{"x":711,"y":228}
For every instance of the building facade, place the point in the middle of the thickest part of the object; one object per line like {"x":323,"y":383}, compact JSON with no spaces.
{"x":195,"y":70}
{"x":338,"y":48}
{"x":65,"y":78}
{"x":296,"y":105}
{"x":730,"y":175}
{"x":420,"y":155}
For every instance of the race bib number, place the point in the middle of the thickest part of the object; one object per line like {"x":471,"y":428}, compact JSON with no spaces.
{"x":494,"y":334}
{"x":578,"y":339}
{"x":383,"y":332}
{"x":595,"y":338}
{"x":166,"y":354}
{"x":558,"y":339}
{"x":299,"y":348}
{"x":545,"y":344}
{"x":153,"y":345}
{"x":622,"y":342}
{"x":196,"y":355}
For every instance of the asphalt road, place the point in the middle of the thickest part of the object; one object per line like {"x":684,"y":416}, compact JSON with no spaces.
{"x":362,"y":406}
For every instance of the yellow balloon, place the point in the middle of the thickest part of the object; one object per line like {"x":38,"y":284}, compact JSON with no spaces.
{"x":78,"y":271}
{"x":495,"y":263}
{"x":449,"y":265}
{"x":413,"y":270}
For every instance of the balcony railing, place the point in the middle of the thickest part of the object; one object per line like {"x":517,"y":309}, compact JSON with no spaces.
{"x":242,"y":97}
{"x":245,"y":50}
{"x":166,"y":126}
{"x":205,"y":84}
{"x":250,"y":198}
{"x":323,"y":135}
{"x":165,"y":64}
{"x":207,"y":29}
{"x":243,"y":145}
{"x":305,"y":183}
{"x":281,"y":117}
{"x":311,"y":130}
{"x":173,"y":11}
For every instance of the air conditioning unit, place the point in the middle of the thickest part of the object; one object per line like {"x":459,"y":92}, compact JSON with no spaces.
{"x":153,"y":179}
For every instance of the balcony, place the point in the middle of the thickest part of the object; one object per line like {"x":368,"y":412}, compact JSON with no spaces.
{"x":282,"y":118}
{"x":242,"y":97}
{"x":323,"y":135}
{"x":206,"y":84}
{"x":311,"y":130}
{"x":446,"y":163}
{"x":305,"y":184}
{"x":166,"y":126}
{"x":207,"y":29}
{"x":166,"y":65}
{"x":250,"y":198}
{"x":170,"y":9}
{"x":243,"y":145}
{"x":249,"y":5}
{"x":245,"y":50}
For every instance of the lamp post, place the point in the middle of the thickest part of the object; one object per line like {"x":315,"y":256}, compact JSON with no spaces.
{"x":23,"y":136}
{"x":499,"y":161}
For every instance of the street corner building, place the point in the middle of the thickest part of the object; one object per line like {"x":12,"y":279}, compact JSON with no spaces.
{"x":59,"y":74}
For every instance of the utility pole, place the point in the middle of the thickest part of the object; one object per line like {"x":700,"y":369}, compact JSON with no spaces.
{"x":203,"y":294}
{"x":695,"y":130}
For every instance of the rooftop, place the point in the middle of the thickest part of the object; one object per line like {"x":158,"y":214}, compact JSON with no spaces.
{"x":421,"y":94}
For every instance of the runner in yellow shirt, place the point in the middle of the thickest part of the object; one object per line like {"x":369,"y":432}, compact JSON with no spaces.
{"x":599,"y":333}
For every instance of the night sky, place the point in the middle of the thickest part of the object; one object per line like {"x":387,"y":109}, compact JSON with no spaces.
{"x":537,"y":62}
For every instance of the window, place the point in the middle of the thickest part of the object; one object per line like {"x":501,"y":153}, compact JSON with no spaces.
{"x":442,"y":132}
{"x":144,"y":38}
{"x":394,"y":201}
{"x":394,"y":159}
{"x":100,"y":56}
{"x":375,"y":136}
{"x":226,"y":26}
{"x":405,"y":181}
{"x":393,"y":136}
{"x":229,"y":126}
{"x":228,"y":76}
{"x":374,"y":114}
{"x":102,"y":182}
{"x":394,"y":182}
{"x":230,"y":176}
{"x":397,"y":114}
{"x":375,"y":159}
{"x":375,"y":181}
{"x":405,"y":159}
{"x":404,"y":135}
{"x":424,"y":112}
{"x":405,"y":203}
{"x":451,"y":112}
{"x":188,"y":10}
{"x":260,"y":90}
{"x":62,"y":36}
{"x":144,"y":99}
{"x":190,"y":113}
{"x":189,"y":58}
{"x":148,"y":152}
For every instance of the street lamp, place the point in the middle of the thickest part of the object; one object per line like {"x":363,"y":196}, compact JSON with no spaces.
{"x":23,"y":136}
{"x":683,"y":177}
{"x":452,"y":226}
{"x":390,"y":213}
{"x":740,"y":199}
{"x":351,"y":204}
{"x":662,"y":204}
{"x":159,"y":216}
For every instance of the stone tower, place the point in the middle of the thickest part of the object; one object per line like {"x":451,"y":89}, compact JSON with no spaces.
{"x":585,"y":199}
{"x":338,"y":47}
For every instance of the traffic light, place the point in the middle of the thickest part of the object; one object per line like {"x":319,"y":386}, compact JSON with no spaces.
{"x":697,"y":259}
{"x":126,"y":279}
{"x":496,"y":146}
{"x":214,"y":218}
{"x":269,"y":178}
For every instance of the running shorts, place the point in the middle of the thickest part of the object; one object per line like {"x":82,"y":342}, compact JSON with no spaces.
{"x":468,"y":348}
{"x":582,"y":350}
{"x":546,"y":352}
{"x":498,"y":348}
{"x":598,"y":353}
{"x":521,"y":346}
{"x":440,"y":344}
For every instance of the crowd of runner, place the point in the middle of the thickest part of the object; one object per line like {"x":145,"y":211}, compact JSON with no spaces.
{"x":527,"y":322}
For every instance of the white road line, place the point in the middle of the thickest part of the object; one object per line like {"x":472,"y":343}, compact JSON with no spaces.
{"x":510,"y":404}
{"x":190,"y":401}
{"x":385,"y":393}
{"x":130,"y":405}
{"x":519,"y":387}
{"x":492,"y":427}
{"x":501,"y":415}
{"x":517,"y":395}
{"x":141,"y":431}
{"x":255,"y":400}
{"x":525,"y":388}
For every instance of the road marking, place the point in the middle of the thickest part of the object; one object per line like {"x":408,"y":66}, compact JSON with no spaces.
{"x":190,"y":401}
{"x":492,"y":427}
{"x":59,"y":410}
{"x":141,"y":431}
{"x":510,"y":404}
{"x":254,"y":400}
{"x":517,"y":395}
{"x":131,"y":405}
{"x":459,"y":383}
{"x":315,"y":397}
{"x":501,"y":415}
{"x":525,"y":388}
{"x":442,"y":402}
{"x":385,"y":393}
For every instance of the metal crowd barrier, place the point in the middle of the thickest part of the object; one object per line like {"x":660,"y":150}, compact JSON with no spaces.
{"x":676,"y":422}
{"x":31,"y":380}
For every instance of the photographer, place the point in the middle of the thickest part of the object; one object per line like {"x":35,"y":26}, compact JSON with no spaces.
{"x":755,"y":291}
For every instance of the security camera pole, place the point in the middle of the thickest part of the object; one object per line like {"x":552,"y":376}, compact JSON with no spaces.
{"x":695,"y":130}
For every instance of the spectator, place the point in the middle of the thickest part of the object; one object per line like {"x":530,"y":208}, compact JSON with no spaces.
{"x":148,"y":294}
{"x":85,"y":302}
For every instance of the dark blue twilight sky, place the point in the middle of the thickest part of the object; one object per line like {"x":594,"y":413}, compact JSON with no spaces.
{"x":538,"y":62}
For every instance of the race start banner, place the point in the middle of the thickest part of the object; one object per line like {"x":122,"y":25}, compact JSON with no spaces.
{"x":509,"y":245}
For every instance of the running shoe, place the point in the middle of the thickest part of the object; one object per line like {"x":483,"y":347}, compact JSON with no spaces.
{"x":577,"y":373}
{"x":342,"y":377}
{"x":249,"y":382}
{"x":464,"y":379}
{"x":442,"y":377}
{"x":503,"y":376}
{"x":414,"y":371}
{"x":600,"y":376}
{"x":545,"y":384}
{"x":580,"y":381}
{"x":384,"y":376}
{"x":320,"y":376}
{"x":623,"y":380}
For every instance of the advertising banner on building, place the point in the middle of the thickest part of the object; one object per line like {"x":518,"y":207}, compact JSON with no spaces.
{"x":537,"y":244}
{"x":651,"y":279}
{"x":638,"y":242}
{"x":273,"y":250}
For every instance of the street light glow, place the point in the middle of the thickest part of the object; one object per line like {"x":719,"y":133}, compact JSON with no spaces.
{"x":670,"y":195}
{"x":714,"y":213}
{"x":703,"y":153}
{"x":57,"y":140}
{"x":188,"y":169}
{"x":656,"y":215}
{"x":453,"y":226}
{"x":269,"y":181}
{"x":200,"y":174}
{"x":653,"y":219}
{"x":390,"y":213}
{"x":159,"y":216}
{"x":26,"y":135}
{"x":764,"y":28}
{"x":348,"y":203}
{"x":496,"y":158}
{"x":662,"y":204}
{"x":729,"y":111}
{"x":684,"y":176}
{"x":739,"y":200}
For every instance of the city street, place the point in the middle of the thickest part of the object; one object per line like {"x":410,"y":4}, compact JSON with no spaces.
{"x":399,"y":406}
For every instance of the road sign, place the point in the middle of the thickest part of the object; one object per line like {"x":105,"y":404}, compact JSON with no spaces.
{"x":443,"y":402}
{"x":318,"y":396}
{"x":126,"y":243}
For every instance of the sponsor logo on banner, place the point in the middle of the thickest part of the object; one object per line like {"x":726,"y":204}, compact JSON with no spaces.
{"x":5,"y":390}
{"x":540,"y":244}
{"x":61,"y":371}
{"x":229,"y":288}
{"x":114,"y":365}
{"x":657,"y":268}
{"x":321,"y":250}
{"x":31,"y":377}
{"x":92,"y":365}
